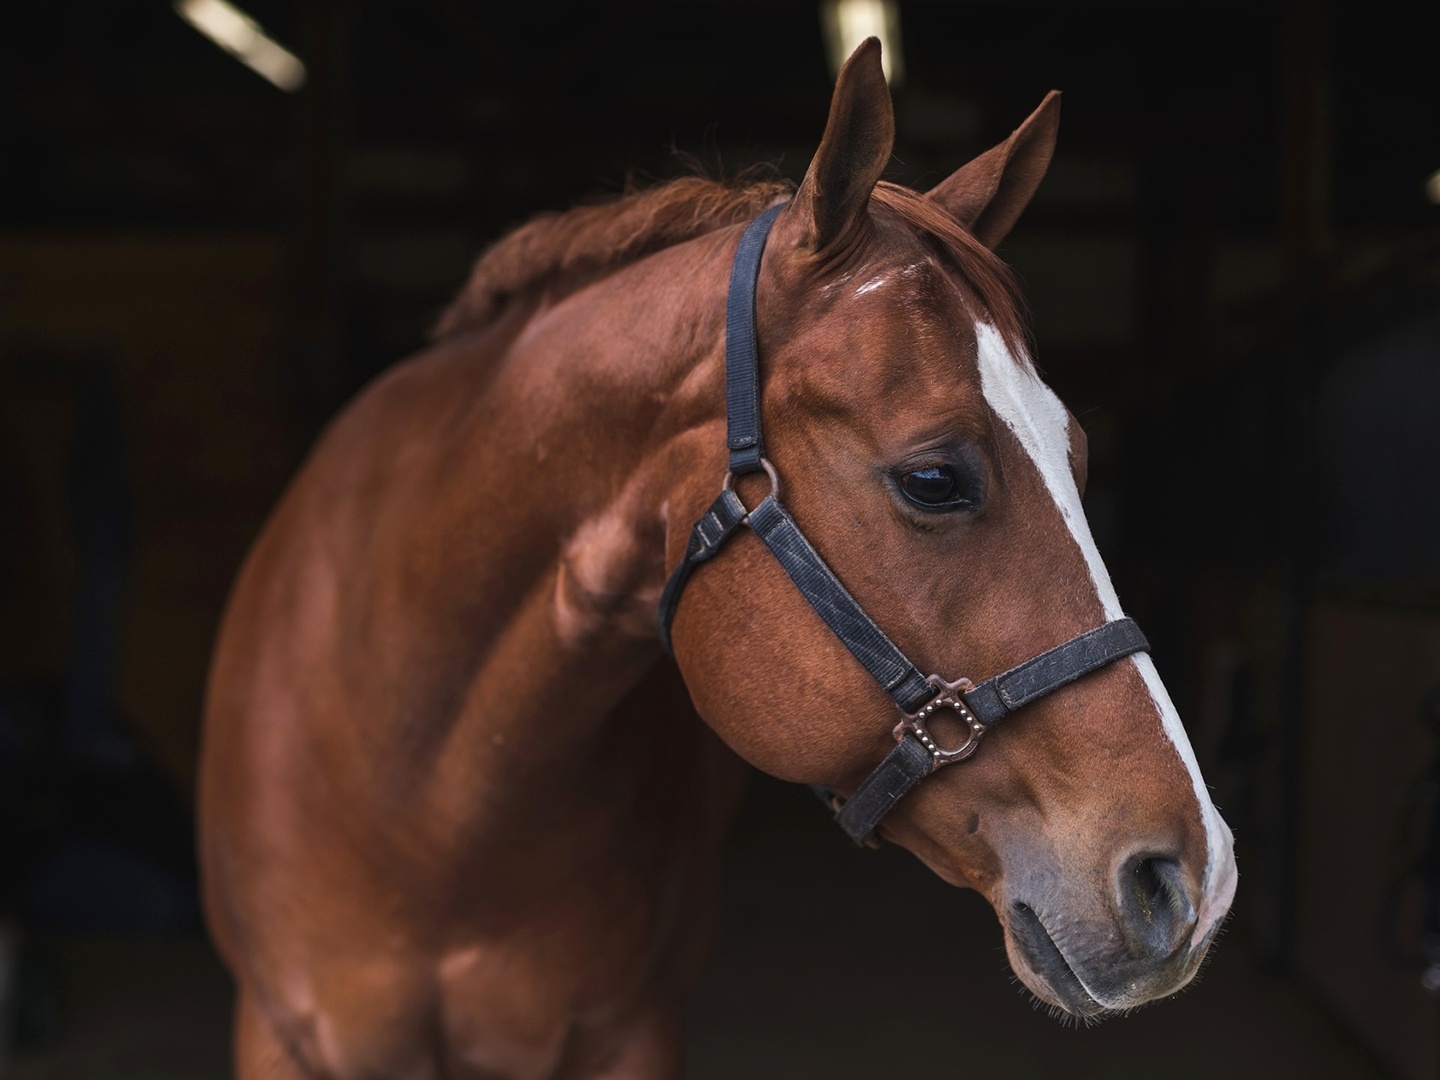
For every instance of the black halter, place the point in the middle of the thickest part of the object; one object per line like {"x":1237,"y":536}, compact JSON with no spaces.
{"x":917,"y":754}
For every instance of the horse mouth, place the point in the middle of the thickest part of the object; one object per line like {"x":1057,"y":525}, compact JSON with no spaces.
{"x":1046,"y":961}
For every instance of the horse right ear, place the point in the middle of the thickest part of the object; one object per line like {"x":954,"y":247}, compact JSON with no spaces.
{"x":859,"y":138}
{"x":987,"y":195}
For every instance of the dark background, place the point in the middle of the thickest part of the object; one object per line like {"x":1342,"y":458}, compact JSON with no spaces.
{"x":1235,"y":280}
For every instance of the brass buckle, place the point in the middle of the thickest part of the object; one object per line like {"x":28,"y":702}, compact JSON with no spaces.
{"x":949,"y":698}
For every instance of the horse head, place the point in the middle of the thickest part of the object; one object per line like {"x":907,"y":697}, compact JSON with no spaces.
{"x":941,"y":479}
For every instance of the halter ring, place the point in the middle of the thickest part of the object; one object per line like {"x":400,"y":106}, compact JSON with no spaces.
{"x":729,"y":484}
{"x":950,"y":697}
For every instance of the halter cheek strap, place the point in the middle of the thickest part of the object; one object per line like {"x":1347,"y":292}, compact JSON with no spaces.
{"x":917,"y":753}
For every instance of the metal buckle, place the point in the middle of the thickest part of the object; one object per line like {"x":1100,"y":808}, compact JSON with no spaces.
{"x":948,"y":698}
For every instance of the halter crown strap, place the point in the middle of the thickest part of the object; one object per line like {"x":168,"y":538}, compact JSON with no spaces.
{"x":742,"y":356}
{"x":916,"y":754}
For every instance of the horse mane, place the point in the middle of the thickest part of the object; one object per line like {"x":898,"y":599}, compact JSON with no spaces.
{"x":563,"y":251}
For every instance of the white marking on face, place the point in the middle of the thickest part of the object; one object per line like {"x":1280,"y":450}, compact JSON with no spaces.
{"x":1037,"y":418}
{"x":909,"y":270}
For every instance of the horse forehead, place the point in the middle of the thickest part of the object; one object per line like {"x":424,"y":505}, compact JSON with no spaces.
{"x":905,"y":274}
{"x":905,"y":280}
{"x":897,"y":316}
{"x":1015,"y":392}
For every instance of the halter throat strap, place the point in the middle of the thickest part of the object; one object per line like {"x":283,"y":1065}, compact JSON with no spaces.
{"x":917,"y":753}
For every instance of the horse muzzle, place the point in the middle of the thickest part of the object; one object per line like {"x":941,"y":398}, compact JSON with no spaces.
{"x":1132,"y":946}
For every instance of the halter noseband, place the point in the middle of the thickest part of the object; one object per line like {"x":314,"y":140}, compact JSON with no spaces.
{"x":917,"y":753}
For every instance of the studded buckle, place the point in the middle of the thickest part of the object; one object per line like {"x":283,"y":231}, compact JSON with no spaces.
{"x":950,"y":697}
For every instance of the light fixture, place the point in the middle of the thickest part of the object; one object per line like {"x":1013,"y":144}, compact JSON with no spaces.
{"x":1432,"y":187}
{"x":846,"y":23}
{"x":241,"y":36}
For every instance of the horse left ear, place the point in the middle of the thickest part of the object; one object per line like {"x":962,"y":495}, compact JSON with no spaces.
{"x":856,"y":147}
{"x":988,"y":195}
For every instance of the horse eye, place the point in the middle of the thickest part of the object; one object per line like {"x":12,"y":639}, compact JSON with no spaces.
{"x":934,"y":485}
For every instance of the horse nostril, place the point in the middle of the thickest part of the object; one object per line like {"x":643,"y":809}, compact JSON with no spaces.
{"x":1155,"y":902}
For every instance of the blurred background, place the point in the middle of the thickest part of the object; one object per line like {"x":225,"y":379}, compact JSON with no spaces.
{"x":1234,"y":270}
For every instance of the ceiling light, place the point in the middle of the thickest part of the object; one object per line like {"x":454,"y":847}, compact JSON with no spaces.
{"x":241,"y":36}
{"x":1432,"y":187}
{"x":846,"y":23}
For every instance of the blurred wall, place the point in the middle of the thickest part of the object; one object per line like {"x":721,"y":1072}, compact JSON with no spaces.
{"x":181,"y":331}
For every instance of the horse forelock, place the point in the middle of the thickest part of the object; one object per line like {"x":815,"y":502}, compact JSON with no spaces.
{"x":986,"y":273}
{"x":563,"y":251}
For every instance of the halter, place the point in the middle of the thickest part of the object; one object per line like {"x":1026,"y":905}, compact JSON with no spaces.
{"x":919,"y":697}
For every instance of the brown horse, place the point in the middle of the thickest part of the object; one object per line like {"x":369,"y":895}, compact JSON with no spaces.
{"x":459,"y":817}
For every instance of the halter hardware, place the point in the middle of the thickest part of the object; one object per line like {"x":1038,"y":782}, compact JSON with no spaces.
{"x":766,"y":467}
{"x":951,"y":697}
{"x":917,"y":753}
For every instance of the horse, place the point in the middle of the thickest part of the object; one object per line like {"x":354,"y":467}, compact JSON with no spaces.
{"x":461,"y":813}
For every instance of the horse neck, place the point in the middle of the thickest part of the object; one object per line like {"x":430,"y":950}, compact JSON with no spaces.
{"x":595,"y":407}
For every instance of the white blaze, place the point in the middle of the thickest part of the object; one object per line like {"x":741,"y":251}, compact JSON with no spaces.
{"x":1035,"y":415}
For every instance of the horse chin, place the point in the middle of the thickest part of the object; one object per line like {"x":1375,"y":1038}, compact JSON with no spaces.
{"x":1042,"y":967}
{"x":1053,"y":978}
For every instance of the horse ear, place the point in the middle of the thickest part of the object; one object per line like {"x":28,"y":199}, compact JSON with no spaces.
{"x":988,"y":194}
{"x":856,"y":147}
